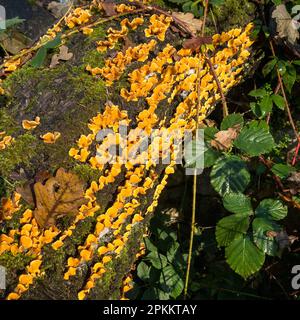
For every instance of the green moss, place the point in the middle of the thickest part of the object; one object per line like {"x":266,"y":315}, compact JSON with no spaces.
{"x":234,"y":13}
{"x":98,"y":34}
{"x":86,"y":172}
{"x":7,"y":123}
{"x":18,"y":153}
{"x":17,"y":262}
{"x":94,"y":59}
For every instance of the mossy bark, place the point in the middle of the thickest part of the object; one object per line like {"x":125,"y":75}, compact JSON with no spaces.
{"x":65,"y":98}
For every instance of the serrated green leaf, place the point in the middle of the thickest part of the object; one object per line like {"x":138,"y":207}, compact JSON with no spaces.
{"x":255,"y":139}
{"x":143,"y":271}
{"x":172,"y":251}
{"x":271,"y":209}
{"x":149,"y":245}
{"x":289,"y":77}
{"x":231,"y":227}
{"x":232,"y":120}
{"x":261,"y":226}
{"x":279,"y":101}
{"x":229,"y":175}
{"x":258,"y":93}
{"x":237,"y":203}
{"x":209,"y":133}
{"x":244,"y":257}
{"x":269,"y":67}
{"x":282,"y":170}
{"x":158,"y":260}
{"x":172,"y":280}
{"x":210,"y":156}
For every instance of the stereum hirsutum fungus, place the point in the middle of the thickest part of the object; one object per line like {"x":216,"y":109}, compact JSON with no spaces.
{"x":158,"y":74}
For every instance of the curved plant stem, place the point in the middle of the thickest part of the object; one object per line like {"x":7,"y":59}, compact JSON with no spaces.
{"x":193,"y":222}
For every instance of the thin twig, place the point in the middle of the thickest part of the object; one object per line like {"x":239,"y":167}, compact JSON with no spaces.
{"x":212,"y":70}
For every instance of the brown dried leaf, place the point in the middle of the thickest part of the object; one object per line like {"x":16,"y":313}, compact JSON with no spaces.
{"x":196,"y":42}
{"x":63,"y":55}
{"x":26,"y":192}
{"x":224,"y":139}
{"x":109,"y":8}
{"x":59,"y":196}
{"x":127,"y":44}
{"x":189,"y":20}
{"x":286,"y":26}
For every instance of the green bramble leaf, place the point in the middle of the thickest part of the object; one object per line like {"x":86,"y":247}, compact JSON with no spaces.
{"x":271,"y":209}
{"x":231,"y":227}
{"x":230,"y":174}
{"x":244,"y":257}
{"x":255,"y":139}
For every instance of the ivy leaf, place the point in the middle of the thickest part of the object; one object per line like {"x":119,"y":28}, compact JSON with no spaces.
{"x":234,"y":119}
{"x":279,"y":101}
{"x":282,"y":170}
{"x":143,"y":271}
{"x":231,"y":227}
{"x":230,"y":174}
{"x":237,"y":203}
{"x":265,"y":243}
{"x":244,"y":257}
{"x":255,"y":139}
{"x":172,"y":280}
{"x":272,"y":209}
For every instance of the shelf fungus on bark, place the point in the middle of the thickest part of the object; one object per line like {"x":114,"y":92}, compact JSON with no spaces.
{"x":155,"y":91}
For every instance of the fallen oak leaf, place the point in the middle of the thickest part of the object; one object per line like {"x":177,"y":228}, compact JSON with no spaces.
{"x":224,"y":138}
{"x":189,"y":20}
{"x":59,"y":196}
{"x":62,"y":55}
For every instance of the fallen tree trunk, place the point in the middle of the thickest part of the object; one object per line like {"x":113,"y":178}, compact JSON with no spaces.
{"x":78,"y":226}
